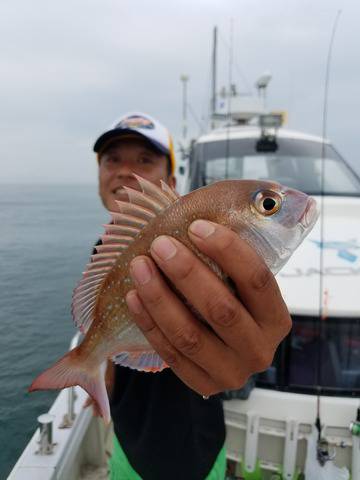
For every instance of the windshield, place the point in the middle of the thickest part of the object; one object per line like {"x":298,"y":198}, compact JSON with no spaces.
{"x":296,"y":164}
{"x":311,"y":358}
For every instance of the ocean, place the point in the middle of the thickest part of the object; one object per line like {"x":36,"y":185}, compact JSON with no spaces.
{"x":47,"y":233}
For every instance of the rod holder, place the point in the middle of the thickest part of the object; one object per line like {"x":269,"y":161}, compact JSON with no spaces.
{"x":69,"y":417}
{"x":46,"y":445}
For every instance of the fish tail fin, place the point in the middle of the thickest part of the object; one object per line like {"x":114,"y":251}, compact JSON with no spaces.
{"x":68,"y":372}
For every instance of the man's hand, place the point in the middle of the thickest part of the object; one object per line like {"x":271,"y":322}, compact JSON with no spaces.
{"x":247,"y":330}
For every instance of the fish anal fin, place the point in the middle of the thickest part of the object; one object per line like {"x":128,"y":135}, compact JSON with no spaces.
{"x":143,"y":361}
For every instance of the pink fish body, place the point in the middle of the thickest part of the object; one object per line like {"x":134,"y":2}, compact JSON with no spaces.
{"x":272,"y":218}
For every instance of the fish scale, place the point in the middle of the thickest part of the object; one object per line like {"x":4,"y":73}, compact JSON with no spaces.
{"x":99,"y":308}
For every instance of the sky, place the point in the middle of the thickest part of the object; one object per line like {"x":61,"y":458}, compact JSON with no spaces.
{"x":69,"y":69}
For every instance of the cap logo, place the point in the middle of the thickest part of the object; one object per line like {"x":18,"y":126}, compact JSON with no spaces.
{"x":136,"y":121}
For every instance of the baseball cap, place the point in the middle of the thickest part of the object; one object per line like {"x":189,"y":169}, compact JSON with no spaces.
{"x":143,"y":125}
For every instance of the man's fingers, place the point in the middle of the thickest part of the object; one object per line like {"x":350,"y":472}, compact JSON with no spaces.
{"x":255,"y":283}
{"x":249,"y":327}
{"x":185,"y":333}
{"x":190,"y":373}
{"x":210,"y":297}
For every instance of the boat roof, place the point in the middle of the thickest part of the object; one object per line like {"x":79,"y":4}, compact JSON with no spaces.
{"x":247,"y":131}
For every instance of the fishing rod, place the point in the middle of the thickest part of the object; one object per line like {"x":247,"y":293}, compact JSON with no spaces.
{"x":323,"y":451}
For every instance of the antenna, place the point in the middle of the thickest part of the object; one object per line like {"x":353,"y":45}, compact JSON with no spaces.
{"x":231,"y":87}
{"x":184,"y":79}
{"x":214,"y":60}
{"x":322,"y":191}
{"x":229,"y":96}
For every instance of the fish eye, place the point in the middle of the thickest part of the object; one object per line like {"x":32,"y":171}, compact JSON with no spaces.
{"x":267,"y":202}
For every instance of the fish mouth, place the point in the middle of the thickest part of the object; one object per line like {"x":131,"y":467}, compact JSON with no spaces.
{"x":311,"y":214}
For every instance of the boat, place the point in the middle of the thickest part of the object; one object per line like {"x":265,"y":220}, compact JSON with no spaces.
{"x":302,"y":415}
{"x":316,"y":370}
{"x":304,"y":410}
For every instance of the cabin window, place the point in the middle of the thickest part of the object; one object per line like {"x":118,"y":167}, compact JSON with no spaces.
{"x":255,"y":169}
{"x":336,"y":177}
{"x":325,"y":355}
{"x":296,"y":164}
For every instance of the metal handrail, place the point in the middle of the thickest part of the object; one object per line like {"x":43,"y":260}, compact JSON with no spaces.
{"x":70,"y":415}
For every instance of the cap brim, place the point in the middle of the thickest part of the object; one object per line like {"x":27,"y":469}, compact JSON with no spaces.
{"x":106,"y":137}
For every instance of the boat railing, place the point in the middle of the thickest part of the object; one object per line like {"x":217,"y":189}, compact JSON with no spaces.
{"x":69,"y":416}
{"x":69,"y":440}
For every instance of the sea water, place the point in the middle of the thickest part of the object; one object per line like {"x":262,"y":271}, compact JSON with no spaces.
{"x":46,"y":237}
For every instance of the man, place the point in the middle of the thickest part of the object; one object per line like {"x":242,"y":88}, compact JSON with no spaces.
{"x":169,"y":425}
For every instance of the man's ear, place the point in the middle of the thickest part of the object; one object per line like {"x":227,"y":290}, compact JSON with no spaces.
{"x":172,"y":181}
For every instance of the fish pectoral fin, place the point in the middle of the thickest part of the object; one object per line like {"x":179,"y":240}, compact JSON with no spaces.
{"x":68,"y":372}
{"x":143,"y":361}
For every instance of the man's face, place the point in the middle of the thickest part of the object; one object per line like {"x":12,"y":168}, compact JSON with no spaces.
{"x":123,"y":158}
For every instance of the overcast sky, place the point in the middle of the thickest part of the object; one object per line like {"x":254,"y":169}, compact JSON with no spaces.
{"x":69,"y":69}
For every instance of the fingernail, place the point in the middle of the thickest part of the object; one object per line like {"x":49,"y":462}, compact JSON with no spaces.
{"x":140,"y":271}
{"x":202,"y":228}
{"x":164,"y":248}
{"x":133,"y":302}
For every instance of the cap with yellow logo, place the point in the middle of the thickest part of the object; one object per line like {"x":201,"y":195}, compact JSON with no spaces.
{"x":143,"y":125}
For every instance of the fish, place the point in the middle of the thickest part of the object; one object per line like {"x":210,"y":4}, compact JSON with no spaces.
{"x":272,"y":218}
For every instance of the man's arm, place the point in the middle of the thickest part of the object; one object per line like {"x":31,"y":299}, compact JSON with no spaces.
{"x":248,"y":328}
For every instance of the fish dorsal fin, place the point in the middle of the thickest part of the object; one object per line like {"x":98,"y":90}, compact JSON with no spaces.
{"x":171,"y":194}
{"x":85,"y":295}
{"x":112,"y":228}
{"x":124,"y":219}
{"x":116,"y":238}
{"x":127,"y":223}
{"x":161,"y":195}
{"x":142,"y":199}
{"x":135,"y":210}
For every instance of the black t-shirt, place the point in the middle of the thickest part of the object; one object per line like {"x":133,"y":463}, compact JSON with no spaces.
{"x":166,"y":430}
